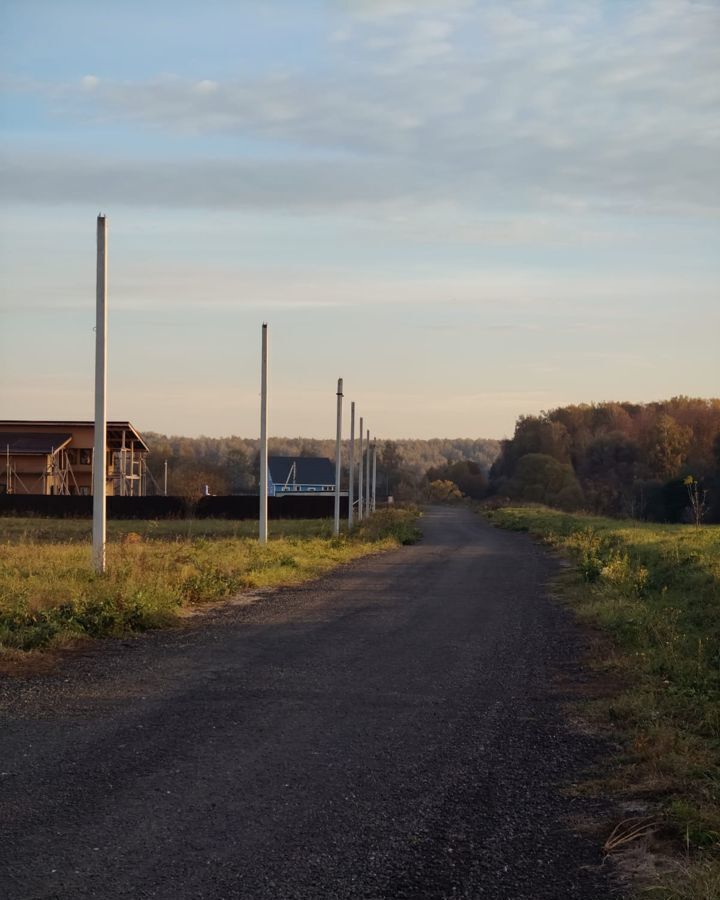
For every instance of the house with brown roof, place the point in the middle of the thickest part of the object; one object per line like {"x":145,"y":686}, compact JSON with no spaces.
{"x":56,"y":457}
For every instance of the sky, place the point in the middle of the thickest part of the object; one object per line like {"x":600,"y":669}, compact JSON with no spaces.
{"x":468,"y":210}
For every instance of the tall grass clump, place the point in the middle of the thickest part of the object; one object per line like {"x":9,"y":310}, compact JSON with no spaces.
{"x":49,"y":593}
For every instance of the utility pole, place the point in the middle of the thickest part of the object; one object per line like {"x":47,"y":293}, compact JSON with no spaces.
{"x":338,"y":456}
{"x":100,"y":449}
{"x":165,"y":479}
{"x":374,"y":477}
{"x":351,"y":467}
{"x":360,"y":475}
{"x":367,"y":475}
{"x":263,"y":536}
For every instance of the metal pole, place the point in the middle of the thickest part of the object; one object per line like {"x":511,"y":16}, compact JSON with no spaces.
{"x":165,"y":479}
{"x":338,"y":456}
{"x":374,"y":478}
{"x":360,"y":474}
{"x":367,"y":475}
{"x":263,"y":535}
{"x":100,"y":448}
{"x":351,"y":467}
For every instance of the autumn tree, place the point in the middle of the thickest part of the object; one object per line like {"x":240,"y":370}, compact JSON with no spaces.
{"x":668,"y":447}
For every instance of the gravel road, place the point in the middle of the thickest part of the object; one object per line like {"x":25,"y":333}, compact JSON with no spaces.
{"x":392,"y":730}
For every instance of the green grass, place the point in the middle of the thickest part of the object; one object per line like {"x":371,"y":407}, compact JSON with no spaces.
{"x":49,"y":593}
{"x":655,"y":591}
{"x":19,"y":529}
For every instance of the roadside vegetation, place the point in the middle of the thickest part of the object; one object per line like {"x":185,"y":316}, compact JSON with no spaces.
{"x":655,"y":591}
{"x":652,"y":461}
{"x":49,"y":594}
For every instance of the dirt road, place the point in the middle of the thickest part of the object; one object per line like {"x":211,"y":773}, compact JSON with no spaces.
{"x":393,"y":730}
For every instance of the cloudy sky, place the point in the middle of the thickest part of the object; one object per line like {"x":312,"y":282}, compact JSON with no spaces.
{"x":469,"y":210}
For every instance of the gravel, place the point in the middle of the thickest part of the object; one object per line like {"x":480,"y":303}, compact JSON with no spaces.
{"x":392,"y":730}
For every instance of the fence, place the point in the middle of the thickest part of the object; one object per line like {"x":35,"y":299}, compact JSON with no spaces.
{"x":241,"y":507}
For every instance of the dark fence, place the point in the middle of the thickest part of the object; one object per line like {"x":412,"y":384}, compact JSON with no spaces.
{"x":245,"y":507}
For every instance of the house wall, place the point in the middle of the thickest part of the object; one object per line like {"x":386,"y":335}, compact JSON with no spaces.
{"x":31,"y":469}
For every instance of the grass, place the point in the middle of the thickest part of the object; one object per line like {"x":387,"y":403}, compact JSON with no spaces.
{"x":655,"y":591}
{"x":49,"y":593}
{"x":18,"y":529}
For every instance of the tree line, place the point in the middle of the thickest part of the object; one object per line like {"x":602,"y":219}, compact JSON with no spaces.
{"x":644,"y":460}
{"x":230,"y":465}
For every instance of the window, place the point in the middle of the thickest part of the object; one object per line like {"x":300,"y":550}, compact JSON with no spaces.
{"x":85,"y":457}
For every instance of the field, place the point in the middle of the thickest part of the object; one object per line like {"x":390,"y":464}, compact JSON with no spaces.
{"x":20,"y":529}
{"x":655,"y":591}
{"x":49,"y":594}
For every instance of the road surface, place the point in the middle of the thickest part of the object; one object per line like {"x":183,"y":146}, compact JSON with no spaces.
{"x":392,"y":730}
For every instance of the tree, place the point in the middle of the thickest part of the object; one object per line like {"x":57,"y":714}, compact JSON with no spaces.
{"x":390,"y":464}
{"x":540,"y":478}
{"x":467,"y":475}
{"x":444,"y":492}
{"x":668,"y":446}
{"x":698,"y":499}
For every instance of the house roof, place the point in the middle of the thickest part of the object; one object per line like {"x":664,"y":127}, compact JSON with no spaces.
{"x":308,"y":469}
{"x":114,"y":430}
{"x":27,"y":443}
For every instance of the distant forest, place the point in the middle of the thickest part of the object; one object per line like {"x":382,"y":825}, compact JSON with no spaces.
{"x":643,"y":460}
{"x":230,"y":464}
{"x":651,"y":460}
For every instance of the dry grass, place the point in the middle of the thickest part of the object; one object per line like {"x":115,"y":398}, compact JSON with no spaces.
{"x":49,"y":593}
{"x":654,"y":591}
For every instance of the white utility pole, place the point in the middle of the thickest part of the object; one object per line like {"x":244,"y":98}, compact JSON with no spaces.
{"x":263,"y":536}
{"x":367,"y":475}
{"x":100,"y":451}
{"x":360,"y":474}
{"x":338,"y":456}
{"x":351,"y":467}
{"x":373,"y":495}
{"x":165,"y":479}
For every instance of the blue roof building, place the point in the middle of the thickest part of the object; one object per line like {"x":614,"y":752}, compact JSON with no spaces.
{"x":288,"y":475}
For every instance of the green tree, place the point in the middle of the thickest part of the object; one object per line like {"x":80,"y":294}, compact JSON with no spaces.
{"x":540,"y":478}
{"x":444,"y":492}
{"x":668,"y":446}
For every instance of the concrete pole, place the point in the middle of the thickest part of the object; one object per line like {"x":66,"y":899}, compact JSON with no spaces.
{"x":100,"y":449}
{"x":263,"y":536}
{"x":165,"y":479}
{"x":360,"y":475}
{"x":338,"y":456}
{"x":351,"y":467}
{"x":367,"y":475}
{"x":132,"y":468}
{"x":374,"y":478}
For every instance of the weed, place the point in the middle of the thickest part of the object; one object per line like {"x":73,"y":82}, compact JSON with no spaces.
{"x":655,"y":589}
{"x":49,"y":593}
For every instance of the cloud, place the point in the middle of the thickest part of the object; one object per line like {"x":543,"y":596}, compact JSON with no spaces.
{"x":300,"y":185}
{"x":503,"y":105}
